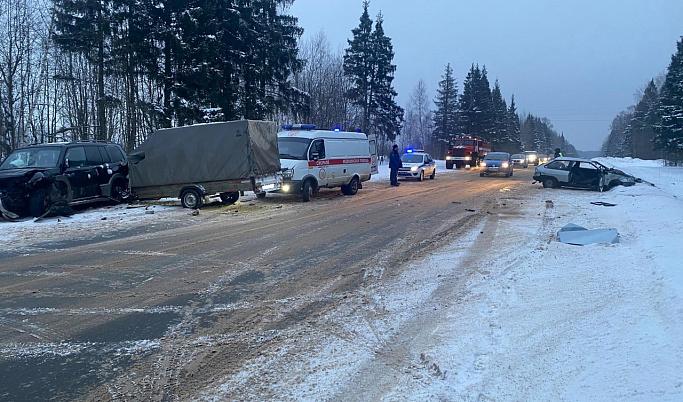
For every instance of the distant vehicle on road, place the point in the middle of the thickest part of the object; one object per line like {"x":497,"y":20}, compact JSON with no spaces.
{"x":520,"y":160}
{"x":195,"y":162}
{"x":532,"y":158}
{"x":34,"y":178}
{"x":581,"y":173}
{"x":466,"y":151}
{"x":417,"y":165}
{"x":313,"y":159}
{"x":497,"y":163}
{"x":543,"y":159}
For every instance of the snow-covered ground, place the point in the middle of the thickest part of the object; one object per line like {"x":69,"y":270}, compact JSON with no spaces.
{"x":509,"y":313}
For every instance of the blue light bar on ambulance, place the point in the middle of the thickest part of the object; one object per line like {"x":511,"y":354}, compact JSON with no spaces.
{"x":409,"y":151}
{"x":306,"y":127}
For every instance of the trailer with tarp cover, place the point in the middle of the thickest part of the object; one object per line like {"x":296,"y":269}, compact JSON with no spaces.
{"x":195,"y":162}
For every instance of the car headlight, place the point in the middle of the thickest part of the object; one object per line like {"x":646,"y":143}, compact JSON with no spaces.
{"x":483,"y":164}
{"x":468,"y":158}
{"x":505,"y":165}
{"x":414,"y":169}
{"x":532,"y":158}
{"x":286,"y":188}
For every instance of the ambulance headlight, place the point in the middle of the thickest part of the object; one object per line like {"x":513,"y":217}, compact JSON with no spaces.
{"x":414,"y":169}
{"x":482,"y":164}
{"x":286,"y":188}
{"x":468,"y":158}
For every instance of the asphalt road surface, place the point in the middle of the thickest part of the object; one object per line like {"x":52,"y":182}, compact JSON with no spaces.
{"x":162,"y":315}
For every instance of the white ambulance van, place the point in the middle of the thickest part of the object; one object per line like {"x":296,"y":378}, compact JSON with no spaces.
{"x":312,"y":159}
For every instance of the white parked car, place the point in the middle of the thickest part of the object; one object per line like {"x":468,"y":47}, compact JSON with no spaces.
{"x":312,"y":159}
{"x":417,"y":165}
{"x":581,"y":173}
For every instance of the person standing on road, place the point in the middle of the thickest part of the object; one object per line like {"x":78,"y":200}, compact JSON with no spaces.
{"x":558,"y":153}
{"x":394,"y":165}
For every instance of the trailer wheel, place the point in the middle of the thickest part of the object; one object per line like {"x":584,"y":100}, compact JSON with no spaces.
{"x":191,"y":199}
{"x":307,"y":191}
{"x":230,"y":198}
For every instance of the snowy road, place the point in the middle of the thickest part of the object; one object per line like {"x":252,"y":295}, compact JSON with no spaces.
{"x":448,"y":290}
{"x":181,"y":304}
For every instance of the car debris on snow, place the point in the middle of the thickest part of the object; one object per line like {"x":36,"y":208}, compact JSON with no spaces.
{"x":580,"y":236}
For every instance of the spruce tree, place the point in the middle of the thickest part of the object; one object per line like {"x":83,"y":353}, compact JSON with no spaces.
{"x":446,"y":113}
{"x":639,"y":136}
{"x":467,"y":106}
{"x":388,"y":116}
{"x":358,"y":66}
{"x":513,"y":127}
{"x":670,"y":127}
{"x":499,"y":134}
{"x":486,"y":124}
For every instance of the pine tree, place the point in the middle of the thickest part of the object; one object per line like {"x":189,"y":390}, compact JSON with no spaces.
{"x":500,"y":138}
{"x":476,"y":106}
{"x":670,"y":128}
{"x":446,"y":113}
{"x":513,"y":127}
{"x":388,"y":117}
{"x":358,"y":66}
{"x":639,"y":136}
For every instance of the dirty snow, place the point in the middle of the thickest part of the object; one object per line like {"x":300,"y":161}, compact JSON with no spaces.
{"x":509,"y":313}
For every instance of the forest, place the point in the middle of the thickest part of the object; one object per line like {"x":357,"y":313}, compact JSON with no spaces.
{"x":117,"y":70}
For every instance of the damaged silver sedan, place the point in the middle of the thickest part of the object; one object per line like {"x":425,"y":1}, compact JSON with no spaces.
{"x":581,"y":173}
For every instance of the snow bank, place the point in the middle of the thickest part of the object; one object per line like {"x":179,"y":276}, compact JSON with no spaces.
{"x":509,"y":313}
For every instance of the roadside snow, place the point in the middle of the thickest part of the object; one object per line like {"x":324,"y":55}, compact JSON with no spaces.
{"x":27,"y":233}
{"x":509,"y":313}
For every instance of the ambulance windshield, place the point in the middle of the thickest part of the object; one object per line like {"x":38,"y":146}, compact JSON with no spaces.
{"x":294,"y":148}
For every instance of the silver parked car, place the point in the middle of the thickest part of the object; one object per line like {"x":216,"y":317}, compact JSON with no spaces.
{"x":497,"y":162}
{"x":581,"y":173}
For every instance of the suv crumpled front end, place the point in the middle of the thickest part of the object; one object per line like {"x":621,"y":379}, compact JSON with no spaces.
{"x":16,"y":187}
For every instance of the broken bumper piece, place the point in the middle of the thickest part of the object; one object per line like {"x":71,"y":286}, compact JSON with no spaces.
{"x":7,"y":214}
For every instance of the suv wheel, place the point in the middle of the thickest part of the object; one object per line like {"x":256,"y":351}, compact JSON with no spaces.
{"x":119,"y":191}
{"x":38,"y":203}
{"x":191,"y":199}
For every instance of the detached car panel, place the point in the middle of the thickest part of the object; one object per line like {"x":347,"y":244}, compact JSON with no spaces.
{"x":36,"y":178}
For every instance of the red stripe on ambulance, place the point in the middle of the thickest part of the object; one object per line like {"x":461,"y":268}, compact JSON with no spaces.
{"x":329,"y":162}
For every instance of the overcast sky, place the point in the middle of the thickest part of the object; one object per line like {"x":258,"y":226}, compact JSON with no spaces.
{"x":577,"y":62}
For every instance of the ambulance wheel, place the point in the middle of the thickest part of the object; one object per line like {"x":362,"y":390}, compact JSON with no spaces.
{"x":351,"y":188}
{"x":191,"y":199}
{"x":433,"y":176}
{"x":230,"y":198}
{"x":307,"y":191}
{"x":422,"y":176}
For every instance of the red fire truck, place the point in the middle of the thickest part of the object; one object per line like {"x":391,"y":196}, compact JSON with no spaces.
{"x":466,"y":150}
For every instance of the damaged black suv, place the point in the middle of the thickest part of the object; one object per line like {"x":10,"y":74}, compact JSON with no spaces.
{"x":37,"y":178}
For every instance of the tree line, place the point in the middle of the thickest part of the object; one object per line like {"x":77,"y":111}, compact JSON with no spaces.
{"x":480,"y":110}
{"x":116,"y":70}
{"x":119,"y":69}
{"x":653,"y":128}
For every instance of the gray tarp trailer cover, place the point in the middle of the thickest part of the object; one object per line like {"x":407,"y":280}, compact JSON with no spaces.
{"x":220,"y":156}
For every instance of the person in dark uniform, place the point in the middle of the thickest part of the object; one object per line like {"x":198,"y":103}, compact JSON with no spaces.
{"x":395,"y":164}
